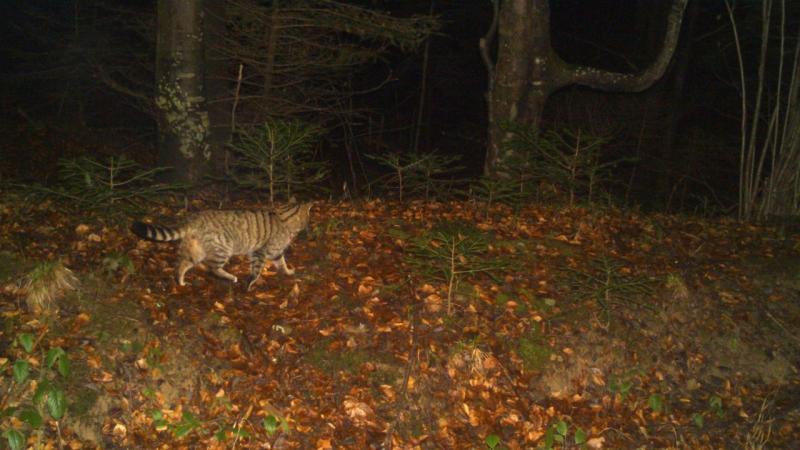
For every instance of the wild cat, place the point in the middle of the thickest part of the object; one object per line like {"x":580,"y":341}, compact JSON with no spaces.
{"x":212,"y":237}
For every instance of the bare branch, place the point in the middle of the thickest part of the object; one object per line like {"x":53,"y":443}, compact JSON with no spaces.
{"x":142,"y":101}
{"x":625,"y":82}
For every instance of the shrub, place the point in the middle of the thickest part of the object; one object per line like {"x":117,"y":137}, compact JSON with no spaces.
{"x":279,"y":157}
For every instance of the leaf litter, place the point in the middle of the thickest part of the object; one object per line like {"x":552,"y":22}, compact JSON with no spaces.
{"x":602,"y":328}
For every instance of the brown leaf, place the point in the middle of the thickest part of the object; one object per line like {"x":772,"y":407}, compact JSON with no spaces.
{"x":363,"y":289}
{"x":324,"y":444}
{"x":103,"y":377}
{"x":120,"y":431}
{"x":596,"y":442}
{"x":359,"y":412}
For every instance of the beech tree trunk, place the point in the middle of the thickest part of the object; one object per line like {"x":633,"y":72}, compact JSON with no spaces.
{"x":527,"y":70}
{"x":183,"y":124}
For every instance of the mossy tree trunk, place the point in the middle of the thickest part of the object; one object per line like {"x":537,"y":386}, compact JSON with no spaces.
{"x":183,"y":124}
{"x":527,"y":70}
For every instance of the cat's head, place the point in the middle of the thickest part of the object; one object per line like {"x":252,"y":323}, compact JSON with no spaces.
{"x":296,"y":216}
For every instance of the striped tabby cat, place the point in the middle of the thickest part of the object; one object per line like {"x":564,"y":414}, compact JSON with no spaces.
{"x":214,"y":236}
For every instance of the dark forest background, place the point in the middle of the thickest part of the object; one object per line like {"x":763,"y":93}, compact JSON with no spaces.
{"x":78,"y":80}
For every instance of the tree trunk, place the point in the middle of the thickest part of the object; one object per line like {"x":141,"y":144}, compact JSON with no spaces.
{"x":527,"y":71}
{"x":183,"y":126}
{"x":217,"y":84}
{"x":523,"y":78}
{"x":272,"y":48}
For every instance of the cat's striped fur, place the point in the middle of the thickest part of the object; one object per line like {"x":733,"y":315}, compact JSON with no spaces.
{"x":212,"y":237}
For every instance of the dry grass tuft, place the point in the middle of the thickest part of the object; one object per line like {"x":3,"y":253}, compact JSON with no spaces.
{"x":45,"y":285}
{"x":677,"y":287}
{"x":761,"y":431}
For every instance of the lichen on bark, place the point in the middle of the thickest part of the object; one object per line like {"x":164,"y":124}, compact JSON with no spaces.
{"x":185,"y":117}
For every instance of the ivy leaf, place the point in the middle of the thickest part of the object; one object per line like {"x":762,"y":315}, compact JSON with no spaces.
{"x":54,"y":355}
{"x":561,"y":428}
{"x":492,"y":440}
{"x":580,"y":436}
{"x":21,"y":370}
{"x":221,"y":436}
{"x":16,"y":441}
{"x":42,"y":389}
{"x":188,"y":423}
{"x":56,"y":404}
{"x":240,"y":432}
{"x":26,"y":340}
{"x":655,"y":403}
{"x":549,"y":439}
{"x":182,"y":429}
{"x":63,"y":367}
{"x":715,"y":405}
{"x":270,"y":424}
{"x":31,"y":417}
{"x":8,"y":412}
{"x":159,"y":422}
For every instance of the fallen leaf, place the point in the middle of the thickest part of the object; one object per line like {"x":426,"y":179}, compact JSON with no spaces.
{"x":596,"y":442}
{"x":120,"y":431}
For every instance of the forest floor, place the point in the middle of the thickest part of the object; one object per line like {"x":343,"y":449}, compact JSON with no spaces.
{"x":417,"y":325}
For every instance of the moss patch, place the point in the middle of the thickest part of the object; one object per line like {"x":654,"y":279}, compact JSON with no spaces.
{"x":533,"y":351}
{"x":333,"y":361}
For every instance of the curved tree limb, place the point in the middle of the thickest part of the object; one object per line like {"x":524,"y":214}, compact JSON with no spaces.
{"x":630,"y":82}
